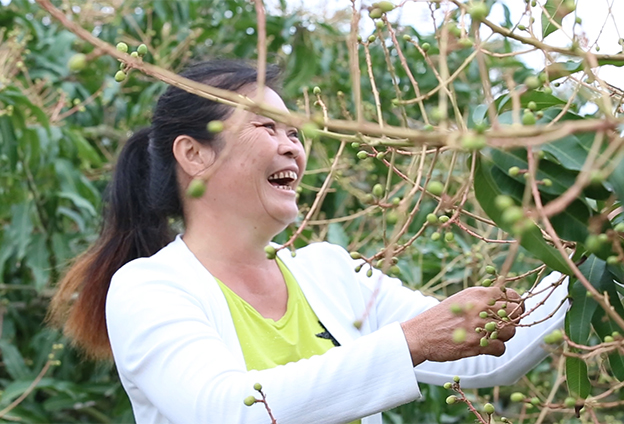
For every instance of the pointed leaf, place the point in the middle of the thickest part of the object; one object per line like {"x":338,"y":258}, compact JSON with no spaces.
{"x":576,"y":375}
{"x":557,"y":11}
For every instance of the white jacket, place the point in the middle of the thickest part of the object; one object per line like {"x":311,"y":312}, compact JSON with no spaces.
{"x":180,"y":361}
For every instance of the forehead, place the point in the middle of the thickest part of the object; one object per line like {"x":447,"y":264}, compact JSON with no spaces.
{"x":270,"y":98}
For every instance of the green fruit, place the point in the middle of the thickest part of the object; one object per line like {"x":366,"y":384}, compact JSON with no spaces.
{"x":513,"y":171}
{"x":569,"y":402}
{"x":535,"y":401}
{"x":355,"y":255}
{"x":142,"y":50}
{"x":432,"y":218}
{"x":428,"y":128}
{"x":380,"y":155}
{"x":490,"y":269}
{"x":249,"y":400}
{"x":473,"y":142}
{"x":483,"y":314}
{"x":478,"y":11}
{"x":522,"y":27}
{"x":593,"y":243}
{"x":196,"y":188}
{"x":396,"y":201}
{"x":615,"y":334}
{"x":369,"y":273}
{"x":553,"y":338}
{"x":443,"y":219}
{"x":613,"y":260}
{"x":448,"y":385}
{"x":316,"y":90}
{"x":456,"y":379}
{"x":548,"y":90}
{"x":394,"y":270}
{"x":569,"y":6}
{"x":503,"y":202}
{"x":454,"y":29}
{"x":608,"y":339}
{"x":578,"y":20}
{"x":488,"y":408}
{"x":435,"y":187}
{"x":465,"y":42}
{"x":449,"y":237}
{"x":134,"y":54}
{"x":484,"y":342}
{"x":215,"y":127}
{"x":486,"y":283}
{"x":532,"y":82}
{"x":490,"y":326}
{"x":407,"y":37}
{"x":120,"y":76}
{"x":357,"y":324}
{"x":77,"y":62}
{"x":478,"y":330}
{"x":528,"y":118}
{"x":379,"y":24}
{"x":371,"y":38}
{"x":517,"y":397}
{"x":310,"y":130}
{"x":512,"y":215}
{"x":619,"y":227}
{"x":392,"y":218}
{"x":375,"y":13}
{"x":459,"y":335}
{"x":494,"y":335}
{"x":362,"y":155}
{"x":547,"y":182}
{"x":451,"y":399}
{"x":122,"y":47}
{"x":425,"y":47}
{"x":378,"y":190}
{"x":532,"y":105}
{"x":501,"y":313}
{"x":258,"y":387}
{"x":355,"y":145}
{"x":385,"y":6}
{"x":456,"y":309}
{"x":270,"y":252}
{"x":435,"y":236}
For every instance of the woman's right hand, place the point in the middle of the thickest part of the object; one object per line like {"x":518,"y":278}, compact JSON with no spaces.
{"x":432,"y":335}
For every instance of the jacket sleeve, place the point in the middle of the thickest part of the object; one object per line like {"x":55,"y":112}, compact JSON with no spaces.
{"x":394,"y":302}
{"x":169,"y":353}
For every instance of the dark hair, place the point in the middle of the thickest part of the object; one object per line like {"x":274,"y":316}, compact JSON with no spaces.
{"x":141,"y":199}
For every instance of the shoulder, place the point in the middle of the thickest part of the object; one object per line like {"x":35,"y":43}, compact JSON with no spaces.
{"x":172,"y":269}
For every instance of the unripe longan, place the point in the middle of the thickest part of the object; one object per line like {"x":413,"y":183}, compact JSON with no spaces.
{"x":249,"y":400}
{"x":432,"y":218}
{"x":490,"y":269}
{"x":517,"y":397}
{"x":448,"y":385}
{"x":270,"y":251}
{"x":142,"y":50}
{"x":451,"y":399}
{"x":120,"y":76}
{"x":385,"y":6}
{"x":258,"y":386}
{"x":375,"y":13}
{"x":378,"y":190}
{"x":435,"y":187}
{"x":77,"y":62}
{"x":569,"y":402}
{"x":490,"y":326}
{"x":488,"y":408}
{"x":122,"y":47}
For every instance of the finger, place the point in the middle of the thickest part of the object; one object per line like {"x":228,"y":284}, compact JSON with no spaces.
{"x":506,"y":332}
{"x":494,"y":348}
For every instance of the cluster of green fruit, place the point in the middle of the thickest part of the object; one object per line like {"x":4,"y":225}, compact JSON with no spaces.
{"x":602,"y":244}
{"x":250,"y":400}
{"x":488,"y":408}
{"x":393,"y":270}
{"x":123,"y":48}
{"x":378,"y":9}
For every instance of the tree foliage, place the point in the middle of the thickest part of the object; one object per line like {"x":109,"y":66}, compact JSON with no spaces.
{"x":432,"y":154}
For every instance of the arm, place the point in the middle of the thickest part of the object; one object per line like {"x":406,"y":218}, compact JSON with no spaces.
{"x":166,"y":347}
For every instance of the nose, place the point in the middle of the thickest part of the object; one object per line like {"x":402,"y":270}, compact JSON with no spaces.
{"x":289,"y":147}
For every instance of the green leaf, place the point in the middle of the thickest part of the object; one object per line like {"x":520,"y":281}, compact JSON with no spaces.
{"x":576,"y":375}
{"x":337,"y":235}
{"x":13,"y":361}
{"x":557,"y":11}
{"x":490,"y":182}
{"x":578,"y":318}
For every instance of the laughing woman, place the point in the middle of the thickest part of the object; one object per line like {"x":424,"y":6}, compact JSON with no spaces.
{"x":194,"y":320}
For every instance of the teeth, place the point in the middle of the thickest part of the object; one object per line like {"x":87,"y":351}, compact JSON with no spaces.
{"x":283,"y":174}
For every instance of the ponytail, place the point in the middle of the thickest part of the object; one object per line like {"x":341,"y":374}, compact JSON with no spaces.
{"x":131,"y":229}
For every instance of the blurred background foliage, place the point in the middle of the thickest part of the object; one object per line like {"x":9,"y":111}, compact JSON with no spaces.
{"x":61,"y":130}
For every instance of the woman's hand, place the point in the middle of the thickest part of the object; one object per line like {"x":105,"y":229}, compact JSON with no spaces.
{"x":446,"y":332}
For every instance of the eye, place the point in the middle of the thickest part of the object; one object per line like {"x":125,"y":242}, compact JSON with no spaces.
{"x":270,"y":126}
{"x":293,"y":134}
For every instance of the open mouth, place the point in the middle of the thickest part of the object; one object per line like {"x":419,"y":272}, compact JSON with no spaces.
{"x":283,"y":180}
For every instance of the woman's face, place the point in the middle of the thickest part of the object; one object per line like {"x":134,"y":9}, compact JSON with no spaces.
{"x":258,"y":169}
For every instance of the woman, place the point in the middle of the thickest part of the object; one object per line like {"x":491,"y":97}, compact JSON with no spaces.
{"x":193,"y":323}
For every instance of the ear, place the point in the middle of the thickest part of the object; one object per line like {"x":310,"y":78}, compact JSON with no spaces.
{"x":193,"y":157}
